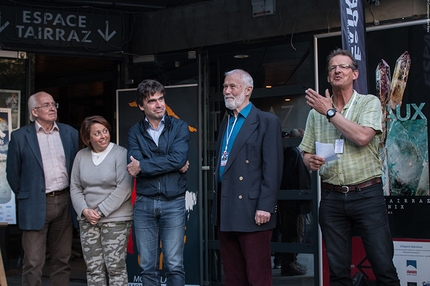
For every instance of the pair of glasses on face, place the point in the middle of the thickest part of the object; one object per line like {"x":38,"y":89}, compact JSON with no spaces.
{"x":48,"y":105}
{"x":341,"y":66}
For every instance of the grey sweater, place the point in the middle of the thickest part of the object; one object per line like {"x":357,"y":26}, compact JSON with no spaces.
{"x":107,"y":186}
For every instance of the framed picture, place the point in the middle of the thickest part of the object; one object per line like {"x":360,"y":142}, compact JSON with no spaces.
{"x":7,"y":197}
{"x":11,"y":99}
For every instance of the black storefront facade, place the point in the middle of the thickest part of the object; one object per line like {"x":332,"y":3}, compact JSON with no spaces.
{"x":91,"y":60}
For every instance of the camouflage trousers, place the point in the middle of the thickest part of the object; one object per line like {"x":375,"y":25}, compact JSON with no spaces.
{"x":104,"y":247}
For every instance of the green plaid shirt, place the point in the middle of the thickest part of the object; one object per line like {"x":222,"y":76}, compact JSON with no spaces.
{"x":356,"y":164}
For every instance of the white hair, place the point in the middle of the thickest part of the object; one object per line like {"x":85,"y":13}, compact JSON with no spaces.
{"x":244,"y":76}
{"x":32,"y":103}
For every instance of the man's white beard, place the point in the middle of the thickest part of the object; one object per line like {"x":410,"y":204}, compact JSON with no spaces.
{"x":236,"y":102}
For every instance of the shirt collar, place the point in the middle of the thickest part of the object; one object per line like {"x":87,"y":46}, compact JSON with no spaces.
{"x":162,"y":122}
{"x":244,"y":112}
{"x":40,"y":128}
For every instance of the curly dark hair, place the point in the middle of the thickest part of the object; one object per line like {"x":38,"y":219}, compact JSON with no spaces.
{"x":147,"y":88}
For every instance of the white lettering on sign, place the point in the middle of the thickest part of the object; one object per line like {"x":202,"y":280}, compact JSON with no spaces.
{"x":47,"y":18}
{"x":39,"y":25}
{"x":62,"y":28}
{"x":352,"y":13}
{"x":42,"y":33}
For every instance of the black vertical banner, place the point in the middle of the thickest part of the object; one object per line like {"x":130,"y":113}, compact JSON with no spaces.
{"x":353,"y":38}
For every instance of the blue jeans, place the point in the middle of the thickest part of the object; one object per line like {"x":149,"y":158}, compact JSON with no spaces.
{"x":155,"y":220}
{"x":365,"y":210}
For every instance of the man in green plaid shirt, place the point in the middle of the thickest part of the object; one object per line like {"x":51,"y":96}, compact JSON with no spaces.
{"x":351,"y":192}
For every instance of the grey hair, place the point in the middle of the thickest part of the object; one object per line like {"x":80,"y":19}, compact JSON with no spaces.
{"x":340,"y":52}
{"x":244,"y":76}
{"x":32,"y":103}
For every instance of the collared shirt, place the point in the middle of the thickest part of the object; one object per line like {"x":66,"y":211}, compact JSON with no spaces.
{"x":356,"y":164}
{"x":53,"y":158}
{"x":155,"y":133}
{"x":233,"y":127}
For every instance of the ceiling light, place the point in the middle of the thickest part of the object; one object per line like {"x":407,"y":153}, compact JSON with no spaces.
{"x":243,"y":56}
{"x":288,"y":99}
{"x":268,"y":86}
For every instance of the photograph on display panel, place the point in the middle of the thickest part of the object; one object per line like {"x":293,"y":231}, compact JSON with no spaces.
{"x":11,"y":99}
{"x":7,"y":197}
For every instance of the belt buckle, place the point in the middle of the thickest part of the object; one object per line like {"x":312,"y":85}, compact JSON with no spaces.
{"x":347,"y":189}
{"x":51,"y":194}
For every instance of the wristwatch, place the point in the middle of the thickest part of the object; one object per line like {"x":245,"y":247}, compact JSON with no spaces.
{"x":99,"y":212}
{"x":330,"y":113}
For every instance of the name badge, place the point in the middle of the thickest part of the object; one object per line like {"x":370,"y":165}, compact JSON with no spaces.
{"x":224,"y":159}
{"x":338,"y":146}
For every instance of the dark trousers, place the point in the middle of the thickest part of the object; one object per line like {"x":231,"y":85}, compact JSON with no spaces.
{"x":58,"y":229}
{"x":365,"y":210}
{"x":246,"y":258}
{"x":291,"y":228}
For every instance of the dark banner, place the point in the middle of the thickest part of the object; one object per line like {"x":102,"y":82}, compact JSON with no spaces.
{"x":182,"y":103}
{"x":353,"y":38}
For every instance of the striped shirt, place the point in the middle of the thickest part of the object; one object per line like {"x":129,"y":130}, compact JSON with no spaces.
{"x":53,"y":158}
{"x":356,"y":164}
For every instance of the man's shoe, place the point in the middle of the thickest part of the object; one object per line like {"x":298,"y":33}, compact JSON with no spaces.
{"x":301,"y":266}
{"x":293,"y":271}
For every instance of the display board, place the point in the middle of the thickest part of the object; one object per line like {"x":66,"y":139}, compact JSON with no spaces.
{"x":7,"y":197}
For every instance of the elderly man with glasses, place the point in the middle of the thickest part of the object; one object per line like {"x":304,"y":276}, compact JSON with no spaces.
{"x":38,"y":166}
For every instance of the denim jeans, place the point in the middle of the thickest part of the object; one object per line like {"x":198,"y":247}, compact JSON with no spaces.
{"x":155,"y":220}
{"x":365,"y":210}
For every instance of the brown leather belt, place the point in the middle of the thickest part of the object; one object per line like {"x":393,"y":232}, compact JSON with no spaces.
{"x":351,"y":188}
{"x":56,"y":193}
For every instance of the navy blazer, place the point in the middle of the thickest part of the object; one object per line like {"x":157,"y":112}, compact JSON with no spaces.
{"x":252,"y":176}
{"x":24,"y":172}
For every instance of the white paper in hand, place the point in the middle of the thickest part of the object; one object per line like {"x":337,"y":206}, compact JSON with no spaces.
{"x":326,"y":150}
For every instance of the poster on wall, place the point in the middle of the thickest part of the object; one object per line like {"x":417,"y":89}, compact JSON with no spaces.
{"x":7,"y":197}
{"x":398,"y":72}
{"x":181,"y":102}
{"x":411,"y":259}
{"x":11,"y":99}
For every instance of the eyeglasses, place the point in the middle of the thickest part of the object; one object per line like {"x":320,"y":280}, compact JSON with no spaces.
{"x":341,"y":66}
{"x":48,"y":105}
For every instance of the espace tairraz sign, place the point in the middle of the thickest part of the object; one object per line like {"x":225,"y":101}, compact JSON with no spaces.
{"x":92,"y":30}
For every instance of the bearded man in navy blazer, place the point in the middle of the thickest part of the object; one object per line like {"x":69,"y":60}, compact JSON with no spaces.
{"x":248,"y":171}
{"x":39,"y":162}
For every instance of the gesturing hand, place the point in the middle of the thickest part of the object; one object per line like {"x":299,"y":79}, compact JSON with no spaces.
{"x":318,"y":102}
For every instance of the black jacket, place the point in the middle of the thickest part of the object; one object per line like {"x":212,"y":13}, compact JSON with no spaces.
{"x":160,"y":164}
